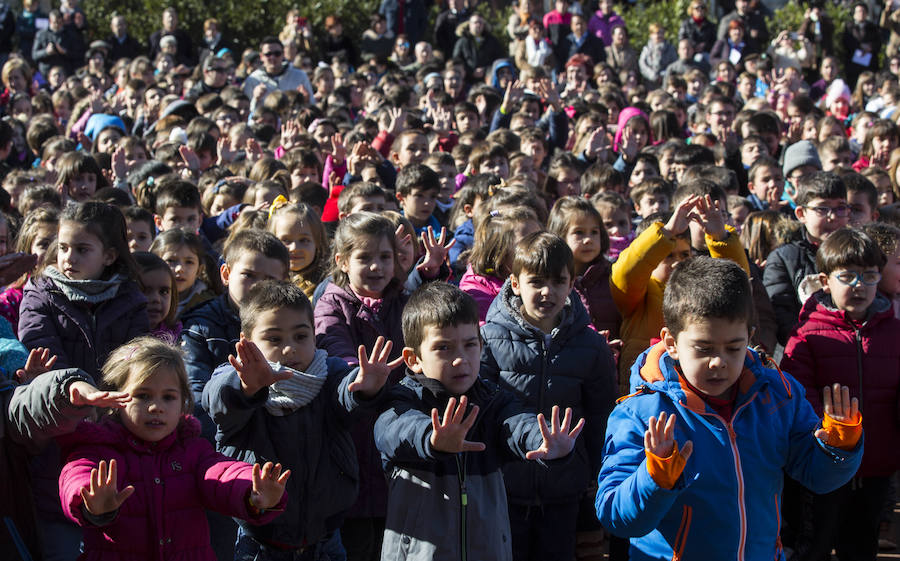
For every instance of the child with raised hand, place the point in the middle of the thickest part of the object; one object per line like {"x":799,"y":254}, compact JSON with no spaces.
{"x":139,"y":481}
{"x":302,"y":232}
{"x":282,"y":397}
{"x":185,"y":254}
{"x":429,"y":434}
{"x":847,"y":336}
{"x":700,"y":449}
{"x":79,"y":177}
{"x":88,"y":302}
{"x":539,"y":344}
{"x":35,"y":237}
{"x":577,"y":221}
{"x":364,"y":301}
{"x":160,"y":289}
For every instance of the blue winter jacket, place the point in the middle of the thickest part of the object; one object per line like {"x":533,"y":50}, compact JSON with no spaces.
{"x":727,"y":502}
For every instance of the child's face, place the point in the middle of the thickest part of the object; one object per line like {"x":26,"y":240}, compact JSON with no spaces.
{"x":890,"y":275}
{"x":81,"y":255}
{"x":44,"y":236}
{"x":466,"y":121}
{"x":184,"y":217}
{"x":447,"y":175}
{"x":298,"y":238}
{"x":264,"y":196}
{"x":221,"y":202}
{"x":650,"y":204}
{"x":615,"y":221}
{"x":286,"y":336}
{"x":767,"y":184}
{"x":156,"y":405}
{"x":82,"y":187}
{"x":663,"y":271}
{"x":406,"y":255}
{"x":861,"y":212}
{"x":450,"y":355}
{"x":584,"y":238}
{"x":185,"y":264}
{"x":852,"y":288}
{"x":751,"y":151}
{"x":543,"y":298}
{"x":250,"y":268}
{"x":107,"y":140}
{"x":535,"y":149}
{"x":821,"y":217}
{"x":418,"y":205}
{"x":498,"y":165}
{"x":140,"y":235}
{"x":568,"y":182}
{"x":413,"y":150}
{"x":156,"y":285}
{"x":374,"y":203}
{"x":882,"y":147}
{"x":710,"y":352}
{"x":369,"y":267}
{"x":835,"y":159}
{"x":301,"y":175}
{"x":641,"y":171}
{"x":739,"y":216}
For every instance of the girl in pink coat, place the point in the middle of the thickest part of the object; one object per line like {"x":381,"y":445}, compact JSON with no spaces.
{"x":139,"y":481}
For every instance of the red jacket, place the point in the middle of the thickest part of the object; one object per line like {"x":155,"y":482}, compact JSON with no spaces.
{"x":827,"y":347}
{"x":175,"y":481}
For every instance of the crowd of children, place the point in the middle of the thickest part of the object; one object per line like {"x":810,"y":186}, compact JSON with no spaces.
{"x":427,"y":298}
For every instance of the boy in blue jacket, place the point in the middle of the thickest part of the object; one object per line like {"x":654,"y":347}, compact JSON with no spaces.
{"x":446,"y":499}
{"x":740,"y":426}
{"x":538,"y":343}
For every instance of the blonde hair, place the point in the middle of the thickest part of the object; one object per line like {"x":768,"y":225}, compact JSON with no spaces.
{"x":144,"y":356}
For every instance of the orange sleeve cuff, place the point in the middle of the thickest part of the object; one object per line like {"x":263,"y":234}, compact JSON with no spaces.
{"x":665,"y":471}
{"x":843,"y":435}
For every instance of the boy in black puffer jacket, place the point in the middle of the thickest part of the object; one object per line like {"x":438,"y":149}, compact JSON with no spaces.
{"x":538,"y":343}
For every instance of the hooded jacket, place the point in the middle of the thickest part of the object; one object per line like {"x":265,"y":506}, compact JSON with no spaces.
{"x":786,"y":267}
{"x":483,"y":288}
{"x":731,"y":485}
{"x":80,"y":336}
{"x":313,"y":442}
{"x":429,"y":518}
{"x":175,"y":480}
{"x":573,"y":368}
{"x":828,"y":347}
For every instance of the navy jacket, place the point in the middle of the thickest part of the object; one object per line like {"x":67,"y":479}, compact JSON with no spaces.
{"x":575,"y":369}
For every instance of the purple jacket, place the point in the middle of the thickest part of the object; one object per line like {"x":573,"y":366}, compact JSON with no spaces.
{"x":343,"y":323}
{"x":482,"y":288}
{"x":602,"y":25}
{"x":175,"y":481}
{"x":79,"y":336}
{"x":593,"y":289}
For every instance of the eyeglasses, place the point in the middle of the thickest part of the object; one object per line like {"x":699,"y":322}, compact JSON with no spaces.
{"x":272,"y":53}
{"x":852,"y":278}
{"x":837,"y":211}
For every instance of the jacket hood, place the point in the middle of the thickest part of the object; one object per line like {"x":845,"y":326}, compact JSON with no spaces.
{"x":656,"y":371}
{"x":495,"y":68}
{"x":820,"y":308}
{"x":624,"y":116}
{"x":506,"y":308}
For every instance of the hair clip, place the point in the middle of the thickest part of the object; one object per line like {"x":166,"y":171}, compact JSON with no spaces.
{"x":219,"y":185}
{"x":495,"y":213}
{"x":280,"y":201}
{"x":150,"y":181}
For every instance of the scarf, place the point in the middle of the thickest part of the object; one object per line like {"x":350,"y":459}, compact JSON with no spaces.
{"x":91,"y":291}
{"x":286,"y":396}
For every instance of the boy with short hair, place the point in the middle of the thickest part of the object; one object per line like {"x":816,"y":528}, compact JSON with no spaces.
{"x":653,"y":195}
{"x":212,"y":329}
{"x":140,"y":228}
{"x":862,"y":197}
{"x":360,"y":196}
{"x":443,"y":165}
{"x":821,"y":208}
{"x":848,"y":335}
{"x":417,"y":191}
{"x":179,"y":205}
{"x":437,"y":457}
{"x":292,"y":402}
{"x":539,"y":344}
{"x":645,"y":166}
{"x":694,"y":458}
{"x":765,"y":183}
{"x":835,"y":152}
{"x":410,"y":147}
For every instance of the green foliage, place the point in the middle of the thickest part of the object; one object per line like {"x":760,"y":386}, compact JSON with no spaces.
{"x":791,"y":16}
{"x":667,"y":13}
{"x":246,"y":22}
{"x":497,"y":21}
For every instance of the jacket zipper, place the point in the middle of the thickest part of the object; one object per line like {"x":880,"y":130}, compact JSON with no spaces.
{"x":681,"y":536}
{"x":463,"y":503}
{"x":859,"y":365}
{"x":739,"y":473}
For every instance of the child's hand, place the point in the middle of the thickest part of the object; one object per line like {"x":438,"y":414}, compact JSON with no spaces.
{"x":450,"y":435}
{"x":838,"y":405}
{"x":253,"y":150}
{"x":680,"y":219}
{"x":14,"y":265}
{"x":103,"y":495}
{"x":709,"y":215}
{"x":659,"y":438}
{"x":190,"y":158}
{"x":268,"y":485}
{"x":615,"y":345}
{"x":225,"y":152}
{"x":558,"y":439}
{"x":253,"y":369}
{"x":290,"y":130}
{"x":435,"y":252}
{"x":402,"y":238}
{"x":82,"y":394}
{"x":119,"y":164}
{"x":628,"y":147}
{"x":395,"y":125}
{"x":39,"y":361}
{"x":373,"y":373}
{"x":338,"y":150}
